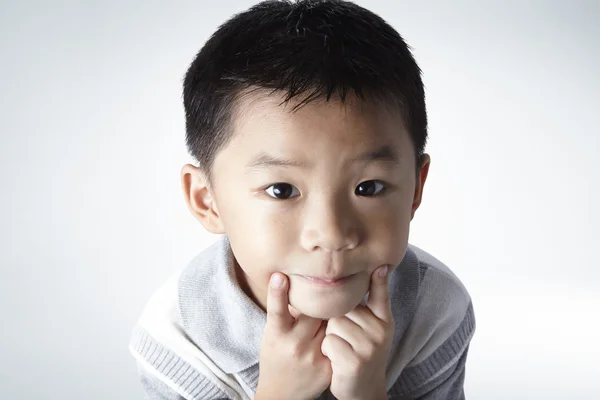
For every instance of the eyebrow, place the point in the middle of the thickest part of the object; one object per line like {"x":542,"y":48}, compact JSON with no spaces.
{"x":384,"y":154}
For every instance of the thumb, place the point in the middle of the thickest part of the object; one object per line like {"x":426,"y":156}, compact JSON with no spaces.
{"x":278,"y":315}
{"x":379,"y":294}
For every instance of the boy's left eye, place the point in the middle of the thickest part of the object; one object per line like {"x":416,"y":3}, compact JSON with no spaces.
{"x":369,"y":188}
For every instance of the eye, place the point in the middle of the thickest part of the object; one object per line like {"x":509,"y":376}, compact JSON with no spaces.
{"x":282,"y":191}
{"x":369,"y":188}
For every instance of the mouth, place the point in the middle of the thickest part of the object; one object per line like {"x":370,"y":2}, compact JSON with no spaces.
{"x":320,"y":281}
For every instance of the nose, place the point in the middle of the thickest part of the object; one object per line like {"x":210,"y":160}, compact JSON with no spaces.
{"x":330,"y":225}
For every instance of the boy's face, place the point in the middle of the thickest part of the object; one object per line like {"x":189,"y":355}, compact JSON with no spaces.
{"x":324,"y":195}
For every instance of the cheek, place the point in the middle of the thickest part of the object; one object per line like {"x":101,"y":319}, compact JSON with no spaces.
{"x":262,"y":237}
{"x":388,"y":230}
{"x":259,"y":253}
{"x":390,"y":215}
{"x":272,"y":236}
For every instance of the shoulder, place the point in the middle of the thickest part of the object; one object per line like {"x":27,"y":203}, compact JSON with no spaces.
{"x":441,"y":327}
{"x":439,"y":282}
{"x":444,"y":307}
{"x":170,"y":363}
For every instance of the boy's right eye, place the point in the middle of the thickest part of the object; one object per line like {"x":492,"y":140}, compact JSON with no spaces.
{"x":282,"y":191}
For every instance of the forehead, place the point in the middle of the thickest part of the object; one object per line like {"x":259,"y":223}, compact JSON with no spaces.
{"x":262,"y":121}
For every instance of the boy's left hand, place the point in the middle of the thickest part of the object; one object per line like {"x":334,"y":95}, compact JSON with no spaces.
{"x":358,"y":345}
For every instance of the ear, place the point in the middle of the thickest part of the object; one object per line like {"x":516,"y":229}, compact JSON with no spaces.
{"x":200,"y":199}
{"x":425,"y":163}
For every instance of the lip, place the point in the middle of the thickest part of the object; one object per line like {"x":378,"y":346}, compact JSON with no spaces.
{"x":326,"y":282}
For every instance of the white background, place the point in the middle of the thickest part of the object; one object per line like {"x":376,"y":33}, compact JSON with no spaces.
{"x":93,"y":219}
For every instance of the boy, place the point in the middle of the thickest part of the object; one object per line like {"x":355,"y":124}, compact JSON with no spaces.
{"x":308,"y":121}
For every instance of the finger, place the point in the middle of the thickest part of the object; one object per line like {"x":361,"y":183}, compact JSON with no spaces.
{"x":361,"y":316}
{"x":346,"y":329}
{"x":321,"y":332}
{"x":379,"y":294}
{"x":338,"y":351}
{"x":306,"y":327}
{"x":374,"y":330}
{"x":278,"y":314}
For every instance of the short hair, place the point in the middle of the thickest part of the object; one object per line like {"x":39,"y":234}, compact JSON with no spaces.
{"x":306,"y":49}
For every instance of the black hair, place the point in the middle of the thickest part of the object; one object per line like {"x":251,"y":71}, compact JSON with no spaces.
{"x":308,"y":48}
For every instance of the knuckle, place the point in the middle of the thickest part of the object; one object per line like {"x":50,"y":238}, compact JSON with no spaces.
{"x":368,"y":350}
{"x":380,"y":334}
{"x":355,"y":365}
{"x":380,"y":337}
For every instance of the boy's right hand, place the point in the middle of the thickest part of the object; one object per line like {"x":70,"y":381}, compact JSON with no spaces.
{"x":291,"y":364}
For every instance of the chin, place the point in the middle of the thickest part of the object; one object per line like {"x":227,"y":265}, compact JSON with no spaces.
{"x":326,"y":310}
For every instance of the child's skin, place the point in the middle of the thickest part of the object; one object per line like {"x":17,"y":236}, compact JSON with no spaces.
{"x":299,"y":196}
{"x":302,"y":356}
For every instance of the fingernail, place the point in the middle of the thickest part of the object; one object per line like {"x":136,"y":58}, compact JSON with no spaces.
{"x":383,"y":271}
{"x":276,"y":281}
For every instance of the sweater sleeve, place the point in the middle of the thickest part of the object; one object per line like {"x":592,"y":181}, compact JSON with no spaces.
{"x":154,"y":389}
{"x":450,"y":385}
{"x":447,"y":386}
{"x":441,"y":375}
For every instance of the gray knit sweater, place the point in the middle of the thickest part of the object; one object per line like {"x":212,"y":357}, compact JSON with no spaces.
{"x":199,"y":335}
